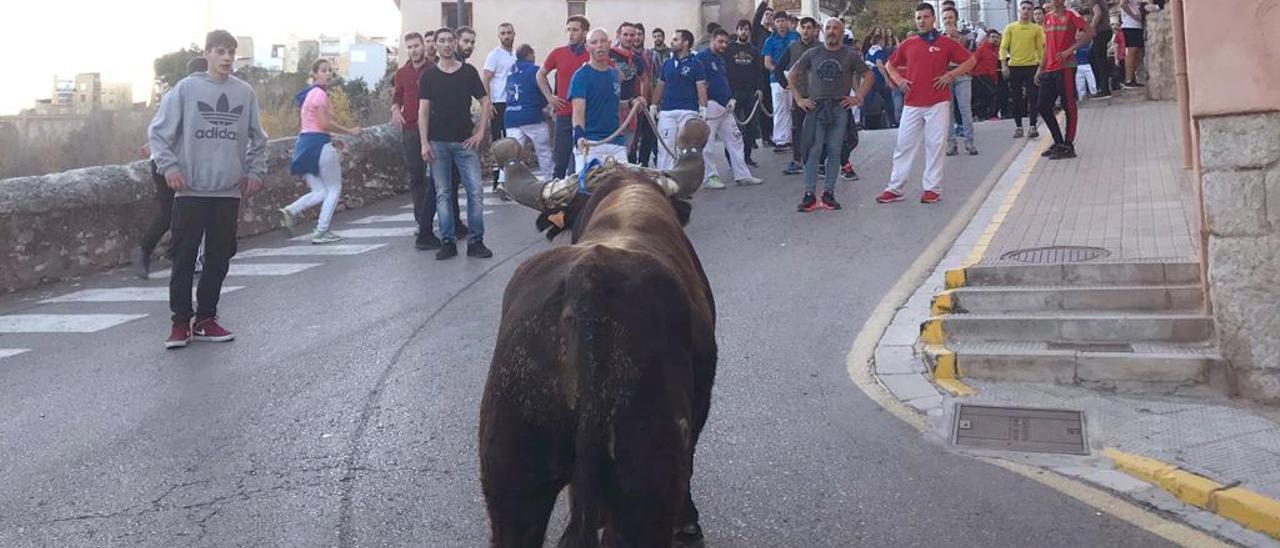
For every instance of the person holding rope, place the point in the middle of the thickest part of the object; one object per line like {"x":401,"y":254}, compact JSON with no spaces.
{"x":681,"y":94}
{"x":594,"y":95}
{"x":719,"y":116}
{"x":743,"y":66}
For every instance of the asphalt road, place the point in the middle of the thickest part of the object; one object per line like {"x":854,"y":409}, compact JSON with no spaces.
{"x":345,"y":413}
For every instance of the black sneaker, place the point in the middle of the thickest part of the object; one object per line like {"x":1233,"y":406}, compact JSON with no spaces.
{"x":781,"y":149}
{"x":808,"y":204}
{"x":478,"y":250}
{"x":426,"y":242}
{"x":1101,"y":95}
{"x":448,"y":250}
{"x":751,"y":162}
{"x":1053,"y":149}
{"x":829,"y":200}
{"x":1065,"y":151}
{"x":847,"y":173}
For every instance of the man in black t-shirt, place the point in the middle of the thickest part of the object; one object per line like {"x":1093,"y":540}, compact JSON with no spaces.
{"x":451,"y":140}
{"x":743,"y":64}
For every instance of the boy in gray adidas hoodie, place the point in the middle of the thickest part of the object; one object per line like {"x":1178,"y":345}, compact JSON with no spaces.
{"x":207,"y":142}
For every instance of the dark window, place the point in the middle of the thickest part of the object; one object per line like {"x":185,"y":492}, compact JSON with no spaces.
{"x":577,"y":7}
{"x":449,"y":14}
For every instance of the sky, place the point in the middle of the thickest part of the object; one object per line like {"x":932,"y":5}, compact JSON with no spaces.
{"x":121,"y":38}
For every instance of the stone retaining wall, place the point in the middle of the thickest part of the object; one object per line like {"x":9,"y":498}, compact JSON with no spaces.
{"x":69,"y":224}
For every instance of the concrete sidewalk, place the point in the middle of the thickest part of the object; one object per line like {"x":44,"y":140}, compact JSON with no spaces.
{"x":1127,"y":198}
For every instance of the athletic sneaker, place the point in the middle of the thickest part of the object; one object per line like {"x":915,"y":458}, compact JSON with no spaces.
{"x":1134,"y":84}
{"x":808,"y":204}
{"x":286,"y":220}
{"x":783,"y":148}
{"x":1050,"y":151}
{"x":930,"y":197}
{"x":1101,"y":95}
{"x":448,"y":250}
{"x":426,"y":242}
{"x":889,"y":196}
{"x":326,"y":237}
{"x":713,"y":182}
{"x":793,"y":169}
{"x":847,"y":173}
{"x":1033,"y":133}
{"x":179,"y":335}
{"x":478,"y":250}
{"x":829,"y":200}
{"x":749,"y":181}
{"x":751,"y":162}
{"x":1017,"y":133}
{"x":971,"y":149}
{"x":952,"y":149}
{"x":1065,"y":151}
{"x":141,"y":263}
{"x":208,"y":330}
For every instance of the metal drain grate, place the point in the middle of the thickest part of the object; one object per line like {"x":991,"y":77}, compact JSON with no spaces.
{"x":1056,"y":254}
{"x":1020,"y":429}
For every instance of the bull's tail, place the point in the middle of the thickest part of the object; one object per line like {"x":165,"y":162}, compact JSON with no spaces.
{"x":591,"y":331}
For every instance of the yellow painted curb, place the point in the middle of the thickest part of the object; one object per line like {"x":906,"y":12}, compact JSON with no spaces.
{"x":954,"y":278}
{"x":931,"y":332}
{"x":955,"y":387}
{"x":1250,"y":509}
{"x":944,"y":362}
{"x":943,"y":303}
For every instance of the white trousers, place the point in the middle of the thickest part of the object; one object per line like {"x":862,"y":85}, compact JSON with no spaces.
{"x":326,"y":188}
{"x":669,"y":124}
{"x":781,"y":114}
{"x":921,"y":128}
{"x":599,"y":152}
{"x":726,"y":128}
{"x":1086,"y":85}
{"x":540,"y":136}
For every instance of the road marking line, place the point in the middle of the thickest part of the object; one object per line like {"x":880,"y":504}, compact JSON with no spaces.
{"x":858,"y":364}
{"x":1006,"y":205}
{"x":397,"y":218}
{"x":253,"y":269}
{"x":357,"y":233}
{"x":63,"y":323}
{"x":7,"y":352}
{"x":303,"y":250}
{"x":124,"y":294}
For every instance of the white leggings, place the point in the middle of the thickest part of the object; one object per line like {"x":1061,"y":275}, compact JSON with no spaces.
{"x":326,"y":188}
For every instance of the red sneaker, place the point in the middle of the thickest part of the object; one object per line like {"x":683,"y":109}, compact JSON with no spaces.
{"x":179,"y":336}
{"x":930,"y":197}
{"x":889,"y":196}
{"x":208,"y":330}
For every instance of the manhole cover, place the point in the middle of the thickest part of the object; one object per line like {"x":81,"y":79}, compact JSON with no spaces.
{"x":1056,"y":254}
{"x":1020,"y":429}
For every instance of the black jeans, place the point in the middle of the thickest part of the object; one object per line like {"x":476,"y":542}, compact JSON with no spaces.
{"x":1059,"y":84}
{"x":984,"y":97}
{"x":1098,"y":61}
{"x":797,"y":131}
{"x":745,"y":101}
{"x":563,"y":148}
{"x":644,"y":150}
{"x":766,"y":121}
{"x":422,"y":187}
{"x":160,"y":224}
{"x":214,"y":220}
{"x":497,"y":130}
{"x":1024,"y":94}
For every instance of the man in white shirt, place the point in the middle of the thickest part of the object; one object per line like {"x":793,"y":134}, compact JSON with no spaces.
{"x":496,"y":68}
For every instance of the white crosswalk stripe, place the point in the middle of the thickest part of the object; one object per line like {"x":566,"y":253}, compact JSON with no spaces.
{"x":63,"y":323}
{"x":393,"y":232}
{"x":253,"y":269}
{"x":6,"y":352}
{"x":397,"y":218}
{"x":123,"y":294}
{"x":304,"y":250}
{"x":489,"y":202}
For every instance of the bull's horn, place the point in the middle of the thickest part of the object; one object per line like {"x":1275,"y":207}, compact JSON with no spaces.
{"x":521,"y":184}
{"x":688,"y":169}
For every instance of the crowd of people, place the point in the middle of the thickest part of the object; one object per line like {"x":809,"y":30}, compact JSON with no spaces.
{"x":606,"y":96}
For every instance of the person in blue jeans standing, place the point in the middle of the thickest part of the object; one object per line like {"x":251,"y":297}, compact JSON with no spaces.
{"x":445,"y":92}
{"x":961,"y":94}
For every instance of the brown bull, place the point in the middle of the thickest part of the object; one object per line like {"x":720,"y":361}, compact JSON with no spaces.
{"x":602,"y":372}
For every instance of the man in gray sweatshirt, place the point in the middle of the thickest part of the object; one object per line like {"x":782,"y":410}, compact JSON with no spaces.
{"x":207,"y":142}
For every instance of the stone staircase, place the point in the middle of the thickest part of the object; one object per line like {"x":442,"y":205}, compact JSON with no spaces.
{"x":1132,"y":326}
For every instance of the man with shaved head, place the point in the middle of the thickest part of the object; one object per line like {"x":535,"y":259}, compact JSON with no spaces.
{"x":594,"y":94}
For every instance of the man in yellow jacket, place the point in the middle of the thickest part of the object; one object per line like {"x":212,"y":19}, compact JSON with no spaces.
{"x":1021,"y":48}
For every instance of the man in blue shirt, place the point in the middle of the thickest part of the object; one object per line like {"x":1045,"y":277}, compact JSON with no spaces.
{"x":594,"y":92}
{"x":681,"y":94}
{"x":720,"y":116}
{"x":774,"y":46}
{"x":524,"y":117}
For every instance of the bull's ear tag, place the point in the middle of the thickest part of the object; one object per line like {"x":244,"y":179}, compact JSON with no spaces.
{"x":557,"y":219}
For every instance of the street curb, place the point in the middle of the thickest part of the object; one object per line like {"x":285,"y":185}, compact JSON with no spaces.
{"x":1247,"y":508}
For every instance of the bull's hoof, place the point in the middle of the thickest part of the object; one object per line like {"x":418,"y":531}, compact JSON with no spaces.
{"x":689,"y":536}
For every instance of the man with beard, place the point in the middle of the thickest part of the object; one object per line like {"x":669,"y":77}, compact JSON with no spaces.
{"x":721,"y":120}
{"x":404,"y":111}
{"x":808,"y":40}
{"x":743,"y":66}
{"x":632,"y":73}
{"x":496,"y":68}
{"x":680,"y":95}
{"x":564,"y":61}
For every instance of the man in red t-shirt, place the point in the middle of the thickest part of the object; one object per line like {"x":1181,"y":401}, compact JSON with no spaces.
{"x":1057,"y":74}
{"x":564,"y":61}
{"x":422,"y":187}
{"x":984,"y":76}
{"x":919,"y":68}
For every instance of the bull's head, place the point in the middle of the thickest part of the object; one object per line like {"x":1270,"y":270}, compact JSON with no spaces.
{"x":681,"y":181}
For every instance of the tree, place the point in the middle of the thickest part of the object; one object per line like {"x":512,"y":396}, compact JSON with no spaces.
{"x":171,"y":67}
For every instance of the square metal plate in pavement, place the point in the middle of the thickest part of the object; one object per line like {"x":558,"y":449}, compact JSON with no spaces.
{"x":1020,"y":429}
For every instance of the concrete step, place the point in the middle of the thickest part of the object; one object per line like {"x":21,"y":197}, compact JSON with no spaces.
{"x":1075,"y":274}
{"x":1068,"y":327}
{"x":1160,"y":366}
{"x":989,"y":299}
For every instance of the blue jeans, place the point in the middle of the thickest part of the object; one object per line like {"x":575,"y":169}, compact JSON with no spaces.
{"x":962,"y":104}
{"x":898,"y":98}
{"x":824,"y":131}
{"x":563,"y":152}
{"x":468,"y":162}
